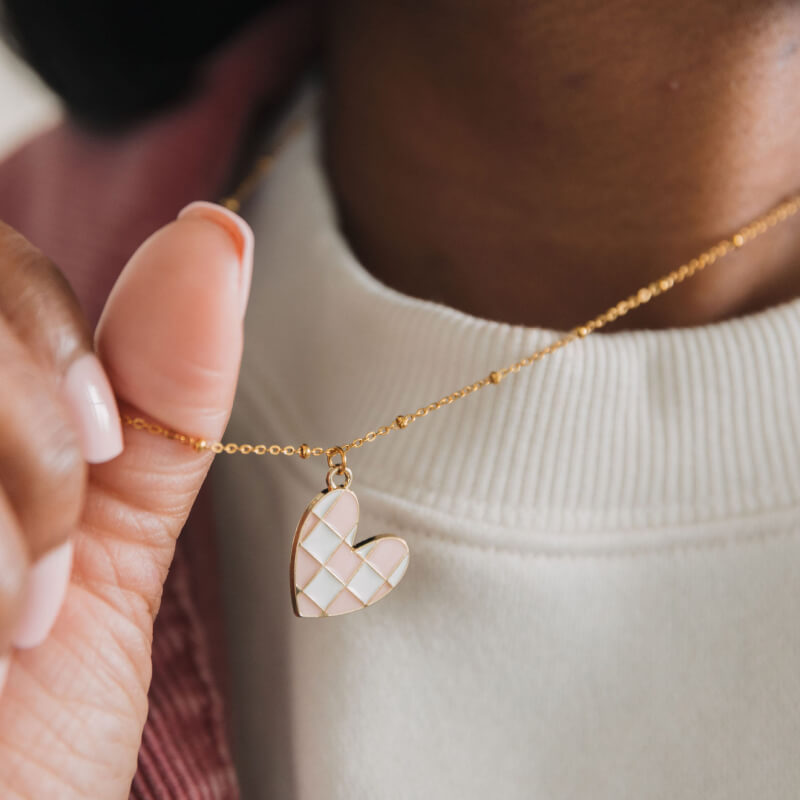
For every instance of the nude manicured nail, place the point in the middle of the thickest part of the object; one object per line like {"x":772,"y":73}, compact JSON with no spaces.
{"x":95,"y":410}
{"x":44,"y":595}
{"x":237,"y":228}
{"x":5,"y":664}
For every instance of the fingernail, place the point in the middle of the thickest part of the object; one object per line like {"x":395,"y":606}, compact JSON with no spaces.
{"x":91,"y":399}
{"x":44,"y":595}
{"x":240,"y":232}
{"x":5,"y":664}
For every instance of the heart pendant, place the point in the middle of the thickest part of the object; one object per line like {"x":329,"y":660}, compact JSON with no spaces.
{"x":330,"y":575}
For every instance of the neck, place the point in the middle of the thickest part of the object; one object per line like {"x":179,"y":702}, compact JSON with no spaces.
{"x":537,"y":162}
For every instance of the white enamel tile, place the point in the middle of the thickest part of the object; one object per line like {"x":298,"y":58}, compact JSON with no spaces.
{"x":394,"y":578}
{"x":323,"y":588}
{"x":321,"y":542}
{"x":327,"y":501}
{"x":350,"y":538}
{"x":365,"y":583}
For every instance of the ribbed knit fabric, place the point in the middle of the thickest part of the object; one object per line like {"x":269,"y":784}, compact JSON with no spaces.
{"x":605,"y":570}
{"x":184,"y":751}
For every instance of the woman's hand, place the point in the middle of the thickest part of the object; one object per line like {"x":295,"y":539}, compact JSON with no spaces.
{"x":84,"y":551}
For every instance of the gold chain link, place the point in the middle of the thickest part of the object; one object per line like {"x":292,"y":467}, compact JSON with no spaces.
{"x":645,"y":294}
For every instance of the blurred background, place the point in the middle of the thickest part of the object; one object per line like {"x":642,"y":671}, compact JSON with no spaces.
{"x":26,"y":106}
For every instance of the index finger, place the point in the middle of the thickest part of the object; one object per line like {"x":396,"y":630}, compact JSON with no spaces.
{"x":45,"y":315}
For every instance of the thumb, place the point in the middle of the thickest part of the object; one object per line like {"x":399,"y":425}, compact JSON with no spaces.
{"x":170,"y":338}
{"x":170,"y":335}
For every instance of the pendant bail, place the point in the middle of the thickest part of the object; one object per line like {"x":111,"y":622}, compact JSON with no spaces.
{"x":337,"y":470}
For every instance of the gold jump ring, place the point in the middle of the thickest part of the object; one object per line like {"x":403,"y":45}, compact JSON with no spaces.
{"x":341,"y":467}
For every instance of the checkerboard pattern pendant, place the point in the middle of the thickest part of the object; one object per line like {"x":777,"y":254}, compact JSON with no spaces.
{"x":330,"y":574}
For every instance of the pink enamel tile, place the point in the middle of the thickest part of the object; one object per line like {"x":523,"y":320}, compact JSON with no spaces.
{"x":305,"y":567}
{"x":306,"y":607}
{"x":387,"y":554}
{"x":384,"y":590}
{"x":310,"y":521}
{"x":344,"y":603}
{"x":344,"y":562}
{"x":343,"y":514}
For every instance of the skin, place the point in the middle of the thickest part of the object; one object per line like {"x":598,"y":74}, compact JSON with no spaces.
{"x":530,"y":162}
{"x":536,"y":162}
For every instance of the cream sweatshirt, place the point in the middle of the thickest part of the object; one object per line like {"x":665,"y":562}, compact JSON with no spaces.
{"x":602,"y":597}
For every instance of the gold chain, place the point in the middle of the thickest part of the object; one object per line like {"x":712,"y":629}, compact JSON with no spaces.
{"x":645,"y":294}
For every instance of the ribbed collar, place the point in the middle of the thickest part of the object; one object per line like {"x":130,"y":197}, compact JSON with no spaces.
{"x":628,"y":430}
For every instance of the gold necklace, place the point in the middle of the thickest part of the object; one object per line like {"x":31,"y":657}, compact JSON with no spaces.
{"x":329,"y":573}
